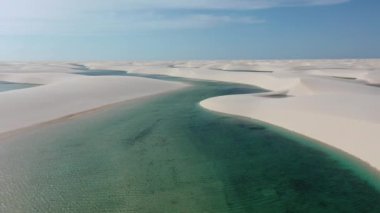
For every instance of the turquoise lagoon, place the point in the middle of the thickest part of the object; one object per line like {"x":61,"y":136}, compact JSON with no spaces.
{"x":6,"y":86}
{"x":167,"y":154}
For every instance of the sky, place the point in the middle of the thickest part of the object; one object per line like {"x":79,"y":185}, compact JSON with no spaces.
{"x":188,"y":29}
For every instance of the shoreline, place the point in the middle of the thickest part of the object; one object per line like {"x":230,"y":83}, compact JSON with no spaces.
{"x":314,"y":103}
{"x":359,"y":166}
{"x":9,"y":134}
{"x":358,"y":137}
{"x":63,"y":95}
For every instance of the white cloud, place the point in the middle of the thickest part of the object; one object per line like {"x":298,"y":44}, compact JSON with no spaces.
{"x":120,"y":25}
{"x":52,"y":6}
{"x":194,"y":21}
{"x":98,"y":16}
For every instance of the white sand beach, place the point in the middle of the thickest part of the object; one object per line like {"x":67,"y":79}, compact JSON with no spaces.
{"x":336,"y":102}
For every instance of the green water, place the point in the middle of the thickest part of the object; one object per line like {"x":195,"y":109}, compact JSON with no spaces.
{"x":6,"y":86}
{"x":167,"y":154}
{"x":101,"y":72}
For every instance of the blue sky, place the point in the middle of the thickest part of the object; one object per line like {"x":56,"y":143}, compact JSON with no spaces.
{"x":191,"y":29}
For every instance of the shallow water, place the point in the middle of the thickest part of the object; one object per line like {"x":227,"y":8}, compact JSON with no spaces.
{"x":101,"y":72}
{"x":6,"y":86}
{"x":167,"y":154}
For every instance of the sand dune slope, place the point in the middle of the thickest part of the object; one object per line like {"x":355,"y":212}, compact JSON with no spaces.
{"x":66,"y":94}
{"x":348,"y":126}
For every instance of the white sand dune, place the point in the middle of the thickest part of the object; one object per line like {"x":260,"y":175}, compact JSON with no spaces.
{"x":63,"y":94}
{"x":270,"y":82}
{"x":29,"y":67}
{"x":336,"y":102}
{"x":351,"y":127}
{"x":372,"y":78}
